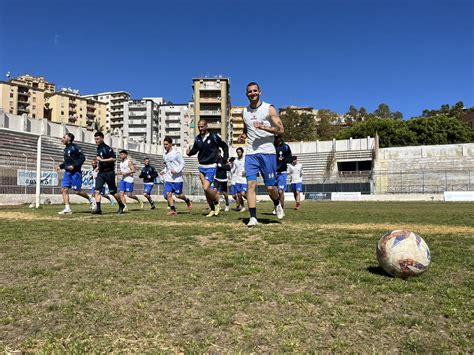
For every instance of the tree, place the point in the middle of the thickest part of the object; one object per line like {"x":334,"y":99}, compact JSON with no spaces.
{"x":383,"y":111}
{"x":326,"y":127}
{"x":440,"y":129}
{"x":392,"y":133}
{"x":449,"y":111}
{"x":298,"y":127}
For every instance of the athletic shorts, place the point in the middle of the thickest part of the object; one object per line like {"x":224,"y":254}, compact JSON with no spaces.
{"x":261,"y":163}
{"x":209,"y":173}
{"x":125,"y":186}
{"x":106,"y":177}
{"x":220,"y":186}
{"x":173,"y":187}
{"x":298,"y":187}
{"x":147,"y":187}
{"x":240,"y":188}
{"x":232,"y":189}
{"x":73,"y":180}
{"x":281,"y":181}
{"x":102,"y":190}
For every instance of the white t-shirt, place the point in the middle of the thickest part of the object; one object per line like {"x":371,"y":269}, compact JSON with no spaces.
{"x":296,"y":172}
{"x":125,"y":169}
{"x":258,"y":140}
{"x":238,"y":171}
{"x":174,"y":160}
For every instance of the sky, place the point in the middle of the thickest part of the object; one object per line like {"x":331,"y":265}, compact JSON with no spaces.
{"x":411,"y":55}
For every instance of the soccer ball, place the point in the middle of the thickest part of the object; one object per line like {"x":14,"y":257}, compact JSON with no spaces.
{"x":402,"y":253}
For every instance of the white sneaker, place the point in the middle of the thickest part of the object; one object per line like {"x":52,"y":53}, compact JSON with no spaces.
{"x":279,"y":212}
{"x":217,"y":209}
{"x":274,"y":211}
{"x":93,"y":204}
{"x":243,"y":209}
{"x":141,"y":203}
{"x":252,"y":222}
{"x":65,"y":211}
{"x":226,"y":209}
{"x":125,"y":208}
{"x":211,"y":214}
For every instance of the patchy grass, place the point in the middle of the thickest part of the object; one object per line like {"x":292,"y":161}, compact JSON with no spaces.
{"x":147,"y":282}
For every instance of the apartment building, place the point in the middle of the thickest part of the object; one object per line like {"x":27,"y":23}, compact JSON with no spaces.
{"x":175,"y":121}
{"x":115,"y":108}
{"x":237,"y":124}
{"x":67,"y":106}
{"x":25,"y":95}
{"x":140,"y":120}
{"x":300,"y":110}
{"x":212,"y":103}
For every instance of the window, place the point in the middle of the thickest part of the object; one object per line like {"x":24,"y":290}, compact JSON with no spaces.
{"x":11,"y":94}
{"x":80,"y":116}
{"x":34,"y":107}
{"x":34,"y":99}
{"x":62,"y":112}
{"x":34,"y":115}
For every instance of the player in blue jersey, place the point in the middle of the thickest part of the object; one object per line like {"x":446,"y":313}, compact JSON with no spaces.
{"x":206,"y":145}
{"x":261,"y":124}
{"x":284,"y":157}
{"x":72,"y":165}
{"x":148,"y":174}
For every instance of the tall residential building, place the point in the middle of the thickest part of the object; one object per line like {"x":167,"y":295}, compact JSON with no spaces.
{"x":174,"y":121}
{"x":237,"y":124}
{"x":212,"y":103}
{"x":115,"y":104}
{"x":67,"y":106}
{"x":25,"y":95}
{"x":140,"y":120}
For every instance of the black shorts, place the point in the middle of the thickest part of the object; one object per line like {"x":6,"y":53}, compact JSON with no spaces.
{"x":106,"y":177}
{"x":220,"y":186}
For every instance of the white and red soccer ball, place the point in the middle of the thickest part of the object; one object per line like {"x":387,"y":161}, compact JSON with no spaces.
{"x":402,"y":253}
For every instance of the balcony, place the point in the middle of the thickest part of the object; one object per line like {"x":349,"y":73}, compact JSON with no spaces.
{"x":90,"y":115}
{"x":72,"y":104}
{"x":216,"y":100}
{"x":211,"y":112}
{"x":214,"y":125}
{"x":23,"y":109}
{"x":210,"y":86}
{"x":23,"y":100}
{"x":172,"y":126}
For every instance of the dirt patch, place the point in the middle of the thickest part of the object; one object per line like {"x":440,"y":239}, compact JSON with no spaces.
{"x":417,"y":228}
{"x":24,"y":216}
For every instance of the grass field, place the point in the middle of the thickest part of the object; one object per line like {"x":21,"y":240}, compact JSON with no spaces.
{"x":147,"y":282}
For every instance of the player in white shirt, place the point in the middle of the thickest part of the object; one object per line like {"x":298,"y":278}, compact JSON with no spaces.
{"x":295,"y":170}
{"x":261,"y":123}
{"x":127,"y":170}
{"x":238,"y":173}
{"x":174,"y":166}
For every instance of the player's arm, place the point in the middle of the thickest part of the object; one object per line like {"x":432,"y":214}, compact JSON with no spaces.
{"x":180,"y":161}
{"x":243,"y":136}
{"x":225,"y":148}
{"x":288,"y":155}
{"x":277,"y":124}
{"x":132,"y":168}
{"x":79,"y":158}
{"x":142,"y":173}
{"x":193,"y":150}
{"x":110,"y":154}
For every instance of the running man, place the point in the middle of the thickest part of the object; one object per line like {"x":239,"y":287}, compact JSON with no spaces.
{"x":106,"y":175}
{"x":174,"y":166}
{"x":148,"y":174}
{"x":261,"y":124}
{"x":230,"y":176}
{"x":240,"y":188}
{"x":284,"y":158}
{"x":72,"y":165}
{"x":296,"y":172}
{"x":220,"y":181}
{"x":95,"y":171}
{"x":127,"y":170}
{"x":207,"y":144}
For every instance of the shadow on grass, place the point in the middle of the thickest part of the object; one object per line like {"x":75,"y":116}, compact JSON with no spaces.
{"x":260,"y":221}
{"x":378,"y":270}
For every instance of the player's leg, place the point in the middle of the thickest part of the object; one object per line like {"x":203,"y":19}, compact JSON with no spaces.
{"x":169,"y":198}
{"x":299,"y":188}
{"x":66,"y":184}
{"x":268,"y":171}
{"x":131,"y":195}
{"x":98,"y":186}
{"x":113,"y":191}
{"x":147,"y":193}
{"x":252,"y":167}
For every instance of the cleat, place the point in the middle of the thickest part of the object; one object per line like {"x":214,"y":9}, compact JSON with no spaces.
{"x":226,"y":209}
{"x":125,"y":208}
{"x":141,"y":203}
{"x":172,"y":213}
{"x":297,"y":206}
{"x":217,"y":209}
{"x":65,"y":211}
{"x":120,"y":209}
{"x":243,"y":209}
{"x":279,"y":212}
{"x":152,"y":206}
{"x":252,"y":222}
{"x":190,"y":205}
{"x":96,"y":211}
{"x":112,"y":202}
{"x":274,"y":211}
{"x":211,"y":214}
{"x":93,"y":204}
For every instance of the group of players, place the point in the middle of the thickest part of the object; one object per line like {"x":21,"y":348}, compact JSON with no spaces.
{"x":266,"y":155}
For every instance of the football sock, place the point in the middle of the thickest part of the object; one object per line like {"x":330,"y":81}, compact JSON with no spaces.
{"x":276,"y":202}
{"x":253,"y":212}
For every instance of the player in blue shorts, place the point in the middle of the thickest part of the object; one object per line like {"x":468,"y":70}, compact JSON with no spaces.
{"x":238,"y":174}
{"x":261,"y":123}
{"x":296,"y":172}
{"x":148,"y":174}
{"x":72,"y":165}
{"x":206,"y":145}
{"x":126,"y":185}
{"x":174,"y":166}
{"x":284,"y":157}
